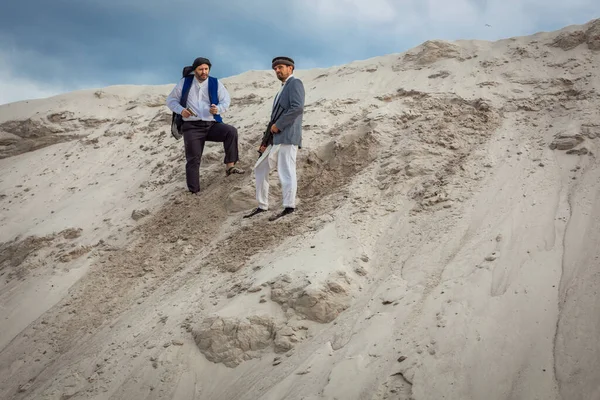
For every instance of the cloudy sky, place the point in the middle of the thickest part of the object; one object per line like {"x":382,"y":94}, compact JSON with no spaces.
{"x":49,"y":47}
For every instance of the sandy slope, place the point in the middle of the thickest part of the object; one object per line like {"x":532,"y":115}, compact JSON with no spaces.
{"x":445,"y":245}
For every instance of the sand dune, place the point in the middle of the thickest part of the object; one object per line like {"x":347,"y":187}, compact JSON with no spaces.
{"x":445,"y":244}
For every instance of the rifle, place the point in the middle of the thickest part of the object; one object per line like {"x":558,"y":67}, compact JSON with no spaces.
{"x":267,"y":138}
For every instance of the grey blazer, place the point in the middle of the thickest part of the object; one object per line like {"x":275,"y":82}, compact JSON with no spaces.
{"x":288,"y":110}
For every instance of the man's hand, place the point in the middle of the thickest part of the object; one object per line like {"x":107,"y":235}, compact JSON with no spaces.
{"x":185,"y":113}
{"x":274,"y":129}
{"x":213,"y":109}
{"x":262,"y":148}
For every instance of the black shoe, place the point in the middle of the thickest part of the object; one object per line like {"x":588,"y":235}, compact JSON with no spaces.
{"x":257,"y":210}
{"x":286,"y":211}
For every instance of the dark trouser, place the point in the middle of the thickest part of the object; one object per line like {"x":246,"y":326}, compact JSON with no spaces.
{"x":195,"y":133}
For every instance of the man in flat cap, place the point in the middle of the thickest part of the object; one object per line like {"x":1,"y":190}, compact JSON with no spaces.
{"x":282,"y":140}
{"x":207,"y":99}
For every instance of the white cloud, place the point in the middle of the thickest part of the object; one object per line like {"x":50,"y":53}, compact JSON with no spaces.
{"x":442,"y":18}
{"x":354,"y":29}
{"x":244,"y":58}
{"x":16,"y":85}
{"x":14,"y":88}
{"x":322,"y":32}
{"x":356,"y":11}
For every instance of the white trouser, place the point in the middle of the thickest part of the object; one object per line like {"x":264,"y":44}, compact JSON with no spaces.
{"x":282,"y":157}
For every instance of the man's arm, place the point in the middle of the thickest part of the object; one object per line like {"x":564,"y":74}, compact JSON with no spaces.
{"x":174,"y":97}
{"x":296,"y":91}
{"x":224,"y":99}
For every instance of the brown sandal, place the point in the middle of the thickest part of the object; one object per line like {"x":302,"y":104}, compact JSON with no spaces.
{"x":234,"y":170}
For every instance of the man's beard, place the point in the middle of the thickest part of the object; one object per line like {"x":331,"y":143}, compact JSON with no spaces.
{"x":199,"y":77}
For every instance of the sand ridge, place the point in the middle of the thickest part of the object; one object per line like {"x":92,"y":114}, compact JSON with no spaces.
{"x":445,"y":244}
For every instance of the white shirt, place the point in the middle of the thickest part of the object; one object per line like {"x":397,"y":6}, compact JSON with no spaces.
{"x":281,"y":89}
{"x":198,"y":100}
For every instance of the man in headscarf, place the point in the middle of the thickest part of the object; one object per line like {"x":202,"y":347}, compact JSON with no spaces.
{"x":281,"y":146}
{"x":207,"y":100}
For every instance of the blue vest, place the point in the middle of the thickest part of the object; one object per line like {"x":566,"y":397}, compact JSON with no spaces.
{"x":213,"y":92}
